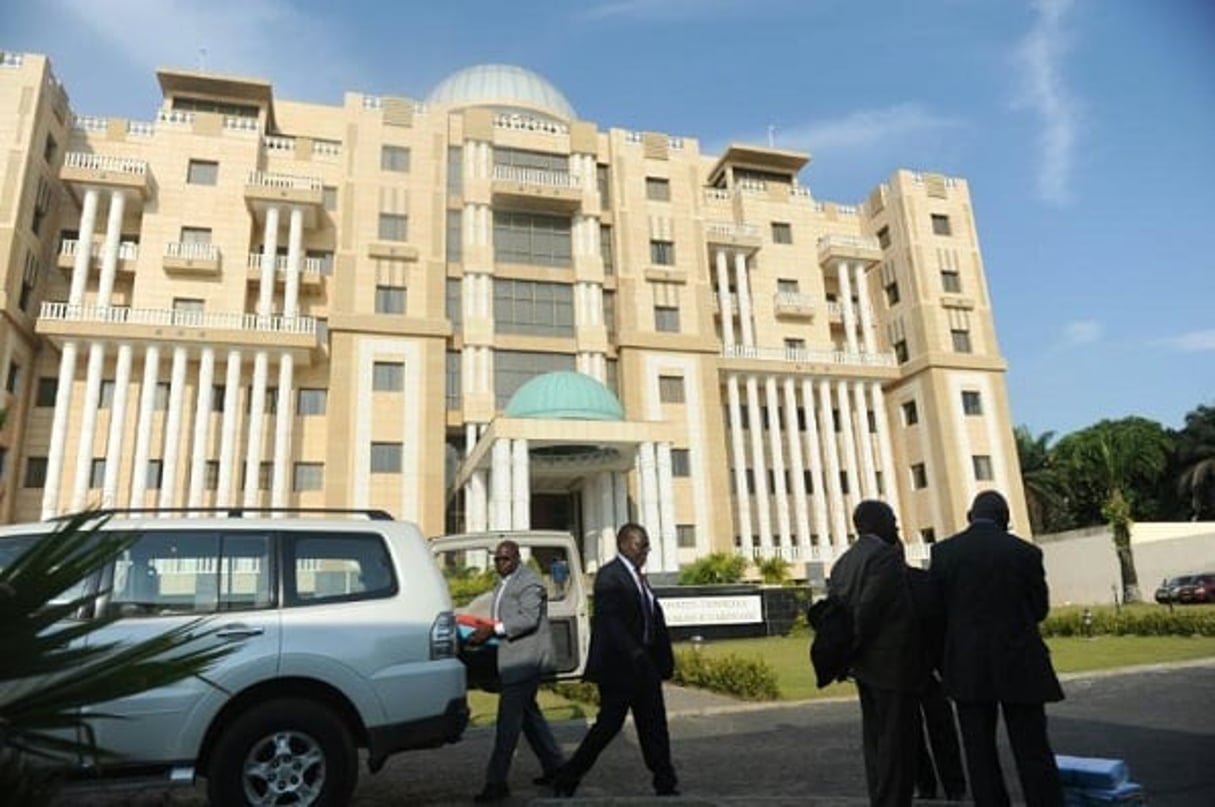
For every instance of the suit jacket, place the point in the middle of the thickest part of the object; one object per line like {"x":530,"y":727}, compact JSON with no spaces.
{"x":870,"y":577}
{"x":993,"y":587}
{"x":618,"y":655}
{"x":930,"y":613}
{"x":526,"y":651}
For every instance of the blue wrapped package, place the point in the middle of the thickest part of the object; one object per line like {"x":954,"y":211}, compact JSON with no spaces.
{"x":1091,"y":772}
{"x":1127,"y":794}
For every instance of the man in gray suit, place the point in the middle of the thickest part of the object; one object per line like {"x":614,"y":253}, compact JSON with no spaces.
{"x":525,"y":654}
{"x":870,"y":578}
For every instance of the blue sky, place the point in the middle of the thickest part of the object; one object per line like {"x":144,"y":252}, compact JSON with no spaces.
{"x":1085,"y":129}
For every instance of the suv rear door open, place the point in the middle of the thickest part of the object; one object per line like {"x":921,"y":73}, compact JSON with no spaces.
{"x":466,"y":562}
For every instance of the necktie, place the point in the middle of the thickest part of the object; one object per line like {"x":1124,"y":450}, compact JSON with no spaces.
{"x":647,"y":607}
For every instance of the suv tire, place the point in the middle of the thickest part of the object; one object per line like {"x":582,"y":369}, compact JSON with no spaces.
{"x":299,"y":749}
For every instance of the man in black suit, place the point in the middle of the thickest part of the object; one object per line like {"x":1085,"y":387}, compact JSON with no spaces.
{"x":870,"y":578}
{"x":629,"y":658}
{"x":994,"y":590}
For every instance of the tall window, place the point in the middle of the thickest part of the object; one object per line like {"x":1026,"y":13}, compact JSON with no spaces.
{"x":390,"y":299}
{"x":961,"y":340}
{"x":603,"y":182}
{"x":454,"y":379}
{"x":455,"y":236}
{"x":455,"y":170}
{"x":685,"y":536}
{"x":311,"y":401}
{"x":394,"y":158}
{"x":308,"y":476}
{"x":532,"y":238}
{"x":911,"y":415}
{"x":605,"y":250}
{"x":681,"y":462}
{"x":534,"y":308}
{"x":892,"y":293}
{"x":782,"y":232}
{"x":454,"y":302}
{"x":154,"y":474}
{"x":514,"y":368}
{"x":48,"y":388}
{"x":522,"y":158}
{"x":883,"y":237}
{"x":670,"y":389}
{"x":388,"y":376}
{"x":386,"y":458}
{"x":329,"y":198}
{"x":919,"y":476}
{"x":940,"y":224}
{"x":35,"y":472}
{"x":666,"y":319}
{"x":983,"y":471}
{"x":658,"y":189}
{"x":900,"y":351}
{"x":97,"y":472}
{"x":972,"y":402}
{"x":662,"y":253}
{"x":951,"y":282}
{"x":202,"y":172}
{"x":105,"y":397}
{"x":394,"y":227}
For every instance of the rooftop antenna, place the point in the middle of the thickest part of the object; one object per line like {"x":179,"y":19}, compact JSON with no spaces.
{"x":202,"y":60}
{"x":771,"y":135}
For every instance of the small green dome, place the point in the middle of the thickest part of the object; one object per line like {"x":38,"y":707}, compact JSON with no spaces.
{"x":564,"y":395}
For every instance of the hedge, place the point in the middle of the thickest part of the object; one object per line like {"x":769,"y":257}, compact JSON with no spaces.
{"x":749,"y":679}
{"x":1144,"y":620}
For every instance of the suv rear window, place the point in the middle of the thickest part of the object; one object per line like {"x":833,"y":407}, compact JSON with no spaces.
{"x":337,"y":567}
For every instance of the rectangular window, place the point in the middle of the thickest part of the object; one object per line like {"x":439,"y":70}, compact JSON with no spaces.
{"x":961,"y":341}
{"x":883,"y":237}
{"x":972,"y":402}
{"x":202,"y":172}
{"x":218,"y":393}
{"x":13,"y":382}
{"x":911,"y":415}
{"x":844,"y":482}
{"x":940,"y":224}
{"x":514,"y":368}
{"x":35,"y":472}
{"x":951,"y":282}
{"x":388,"y":376}
{"x":394,"y":227}
{"x":269,"y":401}
{"x":603,"y":183}
{"x":782,"y":232}
{"x":454,"y":302}
{"x":605,"y":250}
{"x":338,"y":568}
{"x":919,"y":476}
{"x":188,"y":311}
{"x":685,"y":536}
{"x":329,"y":198}
{"x":983,"y":471}
{"x":787,"y":286}
{"x":390,"y":299}
{"x":533,"y":308}
{"x":531,"y":238}
{"x":196,"y":235}
{"x":211,"y":475}
{"x":311,"y":401}
{"x":48,"y":388}
{"x":892,"y":293}
{"x":97,"y":472}
{"x":308,"y":476}
{"x":453,"y":372}
{"x":265,"y":475}
{"x":794,"y":347}
{"x":105,"y":397}
{"x":154,"y":474}
{"x":662,"y":253}
{"x":670,"y":389}
{"x":681,"y":462}
{"x":160,"y":399}
{"x":455,"y":236}
{"x":539,"y":160}
{"x":666,"y":319}
{"x":394,"y":158}
{"x":385,"y":458}
{"x":49,"y":148}
{"x":900,"y":351}
{"x":455,"y":170}
{"x":657,"y":189}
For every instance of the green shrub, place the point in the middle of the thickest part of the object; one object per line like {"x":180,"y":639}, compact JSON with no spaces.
{"x":716,"y":568}
{"x":577,"y":691}
{"x":749,"y":679}
{"x":1143,"y":620}
{"x":465,"y":583}
{"x":774,"y":570}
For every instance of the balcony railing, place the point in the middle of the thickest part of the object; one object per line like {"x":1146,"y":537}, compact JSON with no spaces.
{"x":529,"y":123}
{"x":265,"y":179}
{"x":309,"y":266}
{"x":102,"y":162}
{"x":191,"y":251}
{"x":804,"y":356}
{"x":278,"y":143}
{"x":65,"y":312}
{"x":848,"y":242}
{"x":127,"y":250}
{"x":537,"y":176}
{"x":730,"y":230}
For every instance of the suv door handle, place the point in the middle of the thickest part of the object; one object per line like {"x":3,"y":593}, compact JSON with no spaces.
{"x":239,"y":632}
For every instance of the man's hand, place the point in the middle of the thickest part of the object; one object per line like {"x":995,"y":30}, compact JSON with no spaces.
{"x":480,"y":635}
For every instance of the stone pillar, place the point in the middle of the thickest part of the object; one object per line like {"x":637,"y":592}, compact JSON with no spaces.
{"x":667,"y":537}
{"x":846,"y":307}
{"x":109,"y":250}
{"x":862,"y":294}
{"x":743,"y":286}
{"x":265,"y":292}
{"x":520,"y":476}
{"x":835,"y":495}
{"x":88,"y":426}
{"x":864,"y":440}
{"x":793,"y":435}
{"x":759,"y":468}
{"x":84,"y":251}
{"x":257,"y":411}
{"x":295,"y":259}
{"x":780,"y":488}
{"x":742,"y":497}
{"x":500,"y":503}
{"x":822,"y":501}
{"x":227,"y":440}
{"x":647,"y":474}
{"x":890,"y":480}
{"x":143,"y":426}
{"x":172,"y":445}
{"x":283,"y":419}
{"x":202,"y":426}
{"x":848,"y":443}
{"x":118,"y":418}
{"x":723,"y":299}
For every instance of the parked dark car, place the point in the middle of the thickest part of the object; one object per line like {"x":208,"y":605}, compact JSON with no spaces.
{"x":1189,"y":588}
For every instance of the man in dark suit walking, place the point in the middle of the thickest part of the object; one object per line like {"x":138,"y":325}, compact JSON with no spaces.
{"x":629,"y":658}
{"x":994,"y":590}
{"x":870,"y":578}
{"x":525,"y":654}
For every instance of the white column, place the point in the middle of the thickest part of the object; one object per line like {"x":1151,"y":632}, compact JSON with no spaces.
{"x":477,"y":519}
{"x":177,"y":394}
{"x":666,"y":510}
{"x":780,"y":487}
{"x":620,"y":492}
{"x":814,"y":450}
{"x":88,"y":426}
{"x":723,"y":299}
{"x":862,"y":293}
{"x":202,"y":426}
{"x":793,"y":435}
{"x":591,"y":517}
{"x":648,"y":489}
{"x":257,"y":410}
{"x":864,"y":440}
{"x":835,"y":495}
{"x":472,"y":520}
{"x":143,"y":426}
{"x":742,"y":497}
{"x":63,"y":403}
{"x":118,"y":419}
{"x":500,"y":502}
{"x":743,"y":286}
{"x":283,"y":418}
{"x":265,"y":295}
{"x":291,"y":287}
{"x":84,"y":255}
{"x":109,"y":250}
{"x":846,"y":307}
{"x":227,"y":440}
{"x":520,"y":478}
{"x":889,"y":480}
{"x":848,"y":443}
{"x":759,"y":468}
{"x":608,"y":516}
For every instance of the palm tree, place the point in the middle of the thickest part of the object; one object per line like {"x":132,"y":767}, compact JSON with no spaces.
{"x":1039,"y":478}
{"x":1112,"y":464}
{"x":1196,"y":456}
{"x":48,"y":674}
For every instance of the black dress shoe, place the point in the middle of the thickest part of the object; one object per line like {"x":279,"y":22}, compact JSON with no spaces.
{"x":564,"y":788}
{"x":671,"y":792}
{"x":544,"y":780}
{"x":492,"y":793}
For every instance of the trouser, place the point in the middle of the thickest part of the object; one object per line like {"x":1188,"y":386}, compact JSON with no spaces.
{"x":889,"y":730}
{"x":519,"y":712}
{"x":940,"y":733}
{"x":1026,"y":726}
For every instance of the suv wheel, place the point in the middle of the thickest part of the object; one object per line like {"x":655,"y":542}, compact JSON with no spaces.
{"x":285,"y":752}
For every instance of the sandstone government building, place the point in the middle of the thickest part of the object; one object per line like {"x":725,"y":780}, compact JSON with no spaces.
{"x":478,"y":311}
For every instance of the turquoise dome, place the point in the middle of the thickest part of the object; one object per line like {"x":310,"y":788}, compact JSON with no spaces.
{"x":564,"y":395}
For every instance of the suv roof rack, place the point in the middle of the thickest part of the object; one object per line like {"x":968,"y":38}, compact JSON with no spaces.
{"x":235,"y":511}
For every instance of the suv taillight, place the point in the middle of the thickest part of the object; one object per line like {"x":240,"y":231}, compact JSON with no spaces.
{"x":444,"y":637}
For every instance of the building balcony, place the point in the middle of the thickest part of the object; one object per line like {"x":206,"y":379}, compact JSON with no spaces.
{"x":60,"y":321}
{"x":128,"y":253}
{"x":264,"y":190}
{"x":187,"y":258}
{"x":537,"y":188}
{"x":806,"y":356}
{"x":851,"y":248}
{"x":733,"y":234}
{"x":312,"y":272}
{"x":794,"y":304}
{"x":82,"y":169}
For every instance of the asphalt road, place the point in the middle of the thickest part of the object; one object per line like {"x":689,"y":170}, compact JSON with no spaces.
{"x":1161,"y":721}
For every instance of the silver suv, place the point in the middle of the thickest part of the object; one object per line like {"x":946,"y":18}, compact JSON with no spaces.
{"x":345,"y":639}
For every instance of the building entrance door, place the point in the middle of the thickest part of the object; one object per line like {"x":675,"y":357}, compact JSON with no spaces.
{"x":555,"y":511}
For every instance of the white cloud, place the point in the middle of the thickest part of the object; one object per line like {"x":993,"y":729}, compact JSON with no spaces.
{"x":1082,"y":332}
{"x":1044,"y":91}
{"x":1192,"y":342}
